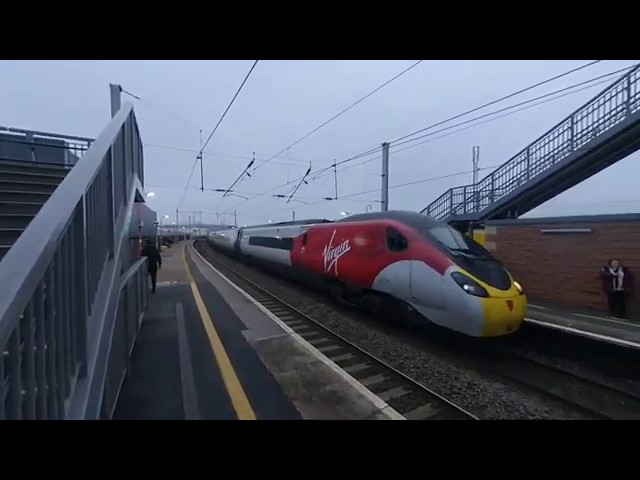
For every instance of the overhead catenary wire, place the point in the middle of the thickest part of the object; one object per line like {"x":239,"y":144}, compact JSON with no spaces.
{"x":498,"y":100}
{"x":400,"y":185}
{"x":299,"y":184}
{"x":355,"y":157}
{"x":564,"y":89}
{"x":546,"y":95}
{"x":498,"y":117}
{"x":162,"y":109}
{"x":204,"y":145}
{"x":493,"y":118}
{"x":532,"y":100}
{"x":188,"y":123}
{"x":303,"y":163}
{"x":376,"y":151}
{"x":395,"y":77}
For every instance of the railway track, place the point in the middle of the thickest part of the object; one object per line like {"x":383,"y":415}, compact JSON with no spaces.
{"x":591,"y":398}
{"x":595,"y":399}
{"x":411,"y":399}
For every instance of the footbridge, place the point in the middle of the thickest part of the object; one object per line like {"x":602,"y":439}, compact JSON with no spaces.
{"x":603,"y":131}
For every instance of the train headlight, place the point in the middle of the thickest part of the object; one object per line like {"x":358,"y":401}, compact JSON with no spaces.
{"x":469,"y":285}
{"x":518,"y":287}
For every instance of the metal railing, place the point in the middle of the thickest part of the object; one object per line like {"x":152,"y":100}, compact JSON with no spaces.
{"x":65,"y":302}
{"x":42,"y":147}
{"x":603,"y":112}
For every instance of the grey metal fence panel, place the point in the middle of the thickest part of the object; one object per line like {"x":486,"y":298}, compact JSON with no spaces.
{"x":61,"y":280}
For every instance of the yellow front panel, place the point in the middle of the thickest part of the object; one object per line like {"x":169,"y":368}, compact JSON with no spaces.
{"x":479,"y":236}
{"x":503,"y":315}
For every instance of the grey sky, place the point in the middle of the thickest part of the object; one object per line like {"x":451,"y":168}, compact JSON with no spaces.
{"x":283,"y":100}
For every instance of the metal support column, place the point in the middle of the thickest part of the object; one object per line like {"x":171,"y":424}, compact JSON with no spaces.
{"x":476,"y":170}
{"x":116,"y":98}
{"x":385,"y":178}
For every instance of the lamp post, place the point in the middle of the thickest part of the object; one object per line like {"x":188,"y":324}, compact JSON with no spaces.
{"x":155,"y":224}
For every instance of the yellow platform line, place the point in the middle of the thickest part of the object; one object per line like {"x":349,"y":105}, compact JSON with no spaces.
{"x":236,"y":393}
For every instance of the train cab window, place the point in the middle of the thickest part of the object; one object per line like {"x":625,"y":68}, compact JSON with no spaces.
{"x":396,"y":242}
{"x":454,"y":240}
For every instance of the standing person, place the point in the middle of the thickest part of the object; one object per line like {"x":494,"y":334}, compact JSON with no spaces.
{"x":154,"y":262}
{"x":616,"y":283}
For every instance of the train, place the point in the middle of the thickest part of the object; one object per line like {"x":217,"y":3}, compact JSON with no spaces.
{"x":392,"y":264}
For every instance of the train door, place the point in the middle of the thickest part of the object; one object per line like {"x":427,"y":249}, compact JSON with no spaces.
{"x":300,"y":253}
{"x":238,"y":241}
{"x":395,"y":279}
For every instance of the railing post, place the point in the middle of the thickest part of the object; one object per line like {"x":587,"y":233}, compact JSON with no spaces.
{"x":464,"y":199}
{"x":81,"y":294}
{"x":111,"y":168}
{"x":572,"y":132}
{"x":492,"y":193}
{"x":628,"y":95}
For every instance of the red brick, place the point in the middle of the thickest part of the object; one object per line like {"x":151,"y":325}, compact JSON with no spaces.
{"x":563,"y":268}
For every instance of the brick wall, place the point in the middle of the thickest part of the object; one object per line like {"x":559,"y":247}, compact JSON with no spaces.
{"x":557,"y":260}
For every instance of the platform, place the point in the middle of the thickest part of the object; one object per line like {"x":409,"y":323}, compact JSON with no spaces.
{"x":617,"y":331}
{"x":207,"y":351}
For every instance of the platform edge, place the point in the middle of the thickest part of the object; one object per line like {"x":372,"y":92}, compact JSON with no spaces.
{"x":583,"y":333}
{"x":380,"y":404}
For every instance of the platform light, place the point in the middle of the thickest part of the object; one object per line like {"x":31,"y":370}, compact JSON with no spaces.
{"x":344,"y":213}
{"x":151,"y":194}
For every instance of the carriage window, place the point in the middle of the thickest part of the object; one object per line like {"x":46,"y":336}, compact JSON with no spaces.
{"x":282,"y":243}
{"x":396,"y":242}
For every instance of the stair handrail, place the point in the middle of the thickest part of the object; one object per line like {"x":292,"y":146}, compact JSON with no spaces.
{"x":77,"y":240}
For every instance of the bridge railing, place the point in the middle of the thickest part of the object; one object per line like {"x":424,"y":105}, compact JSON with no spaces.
{"x":42,"y":147}
{"x":606,"y":110}
{"x":67,"y":313}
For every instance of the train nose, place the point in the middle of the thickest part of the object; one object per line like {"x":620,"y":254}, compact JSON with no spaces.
{"x":503,"y":315}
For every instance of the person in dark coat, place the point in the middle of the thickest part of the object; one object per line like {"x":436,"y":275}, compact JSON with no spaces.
{"x":154,"y":262}
{"x":616,"y":284}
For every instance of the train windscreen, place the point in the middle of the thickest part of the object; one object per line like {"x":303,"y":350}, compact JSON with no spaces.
{"x":457,"y":242}
{"x":471,"y":256}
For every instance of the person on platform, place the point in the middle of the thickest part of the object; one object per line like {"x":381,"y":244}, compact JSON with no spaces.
{"x":616,"y":284}
{"x":154,"y":262}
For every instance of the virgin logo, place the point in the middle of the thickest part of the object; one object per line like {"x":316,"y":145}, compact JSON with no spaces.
{"x":331,"y":254}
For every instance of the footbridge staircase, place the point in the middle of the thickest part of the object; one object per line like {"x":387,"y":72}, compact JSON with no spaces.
{"x":600,"y":133}
{"x":72,"y":292}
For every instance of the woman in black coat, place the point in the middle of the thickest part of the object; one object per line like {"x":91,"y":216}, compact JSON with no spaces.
{"x":616,"y":284}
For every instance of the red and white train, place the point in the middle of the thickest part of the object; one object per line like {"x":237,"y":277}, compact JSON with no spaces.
{"x":385,"y":260}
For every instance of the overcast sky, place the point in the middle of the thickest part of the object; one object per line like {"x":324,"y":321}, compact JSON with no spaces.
{"x":284,"y":100}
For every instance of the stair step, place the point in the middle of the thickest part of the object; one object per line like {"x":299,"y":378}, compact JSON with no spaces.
{"x":26,"y":197}
{"x":8,"y":236}
{"x":25,"y":167}
{"x":15,"y":220}
{"x":14,"y":186}
{"x":30,"y":177}
{"x":19,"y":208}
